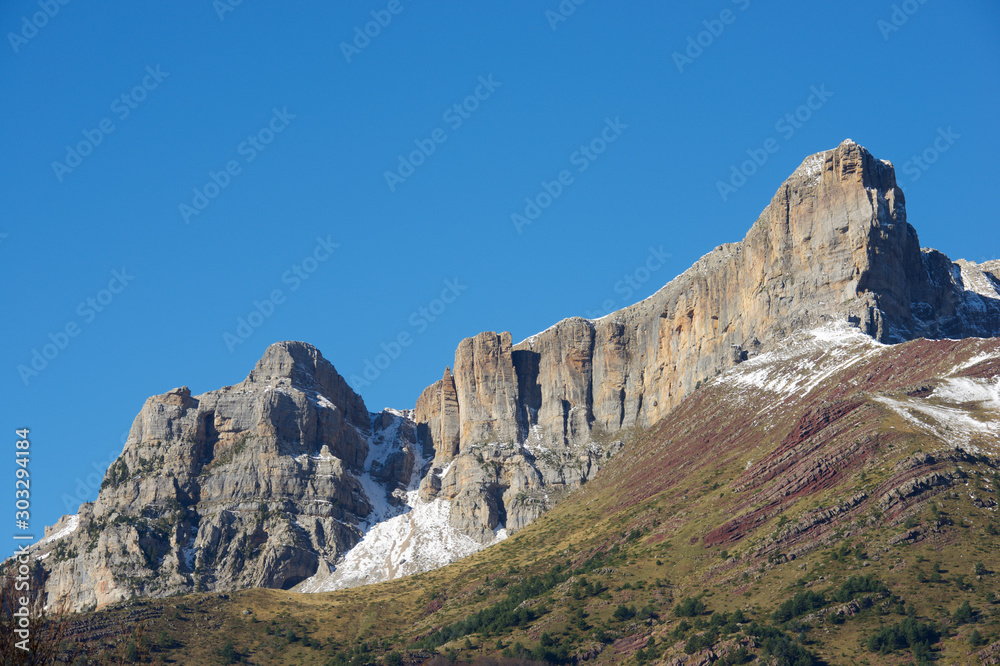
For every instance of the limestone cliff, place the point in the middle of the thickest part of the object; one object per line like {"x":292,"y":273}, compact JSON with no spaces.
{"x":514,"y":421}
{"x":261,"y":484}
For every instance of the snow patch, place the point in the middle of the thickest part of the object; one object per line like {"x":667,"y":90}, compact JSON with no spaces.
{"x":189,"y":553}
{"x":812,"y":167}
{"x":964,"y":389}
{"x":974,"y":280}
{"x":805,"y":361}
{"x":418,"y":540}
{"x":978,"y":358}
{"x":403,"y":538}
{"x":945,"y":413}
{"x":71,"y":526}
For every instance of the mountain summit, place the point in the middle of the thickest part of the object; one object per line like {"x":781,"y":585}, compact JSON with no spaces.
{"x":287,"y":480}
{"x":832,"y":246}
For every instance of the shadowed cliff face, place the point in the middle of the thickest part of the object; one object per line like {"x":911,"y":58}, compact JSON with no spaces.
{"x":833,"y":245}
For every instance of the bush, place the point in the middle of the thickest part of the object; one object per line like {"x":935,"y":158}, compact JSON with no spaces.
{"x":800,"y":604}
{"x":228,"y":653}
{"x":624,"y":612}
{"x":699,"y":642}
{"x":908,"y":634}
{"x":680,"y":631}
{"x":738,"y":656}
{"x":164,"y":641}
{"x":690,"y":607}
{"x":858,"y":585}
{"x":963,"y":614}
{"x":648,"y":612}
{"x":780,"y":647}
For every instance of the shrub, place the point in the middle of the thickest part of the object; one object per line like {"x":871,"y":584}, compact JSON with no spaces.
{"x":699,"y":642}
{"x":800,"y":604}
{"x":164,"y":641}
{"x":228,"y":654}
{"x":690,"y":607}
{"x":909,"y":633}
{"x":681,"y":629}
{"x":963,"y":614}
{"x":624,"y":612}
{"x":738,"y":656}
{"x":855,"y":586}
{"x":780,"y":647}
{"x":648,"y":612}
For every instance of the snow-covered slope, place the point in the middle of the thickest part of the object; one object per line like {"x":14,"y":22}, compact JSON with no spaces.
{"x":962,"y":411}
{"x":399,"y":540}
{"x":418,"y":540}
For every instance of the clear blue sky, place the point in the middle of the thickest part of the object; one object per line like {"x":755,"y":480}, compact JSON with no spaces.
{"x":206,"y":84}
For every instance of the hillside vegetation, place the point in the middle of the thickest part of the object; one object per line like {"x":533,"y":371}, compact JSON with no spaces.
{"x":832,"y":503}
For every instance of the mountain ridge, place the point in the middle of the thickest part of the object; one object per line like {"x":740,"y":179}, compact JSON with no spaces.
{"x":798,"y":508}
{"x":271,"y":483}
{"x":833,"y":244}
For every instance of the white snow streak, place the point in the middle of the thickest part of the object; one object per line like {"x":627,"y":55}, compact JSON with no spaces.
{"x":416,"y":541}
{"x":807,"y":360}
{"x":71,"y":525}
{"x":398,"y":540}
{"x":946,"y":413}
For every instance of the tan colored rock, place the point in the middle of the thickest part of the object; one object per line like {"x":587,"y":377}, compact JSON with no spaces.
{"x":833,"y":245}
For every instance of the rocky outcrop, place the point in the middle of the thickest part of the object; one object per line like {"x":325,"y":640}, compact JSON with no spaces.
{"x":254,"y":485}
{"x":833,"y":245}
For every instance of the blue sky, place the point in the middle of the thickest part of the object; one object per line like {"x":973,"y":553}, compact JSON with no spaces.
{"x":178,"y":163}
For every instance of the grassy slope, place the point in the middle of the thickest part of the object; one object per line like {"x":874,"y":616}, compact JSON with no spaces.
{"x":740,"y":497}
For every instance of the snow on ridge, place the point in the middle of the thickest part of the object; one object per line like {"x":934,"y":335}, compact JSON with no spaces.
{"x":978,"y":358}
{"x":948,"y":421}
{"x":71,"y":526}
{"x":975,"y":281}
{"x":812,"y":357}
{"x":401,"y":413}
{"x":794,"y":369}
{"x":811,"y":167}
{"x":954,"y":411}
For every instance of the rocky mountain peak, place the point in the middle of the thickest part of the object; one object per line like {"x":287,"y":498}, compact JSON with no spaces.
{"x":833,"y":245}
{"x":299,"y":365}
{"x":289,"y":360}
{"x":848,"y":164}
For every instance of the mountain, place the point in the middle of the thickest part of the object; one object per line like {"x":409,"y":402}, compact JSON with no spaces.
{"x":833,"y":501}
{"x":513,"y":422}
{"x":287,"y":480}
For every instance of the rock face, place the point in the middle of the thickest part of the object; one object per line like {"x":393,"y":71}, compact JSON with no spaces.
{"x":516,"y":420}
{"x":255,"y":485}
{"x":270,"y":482}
